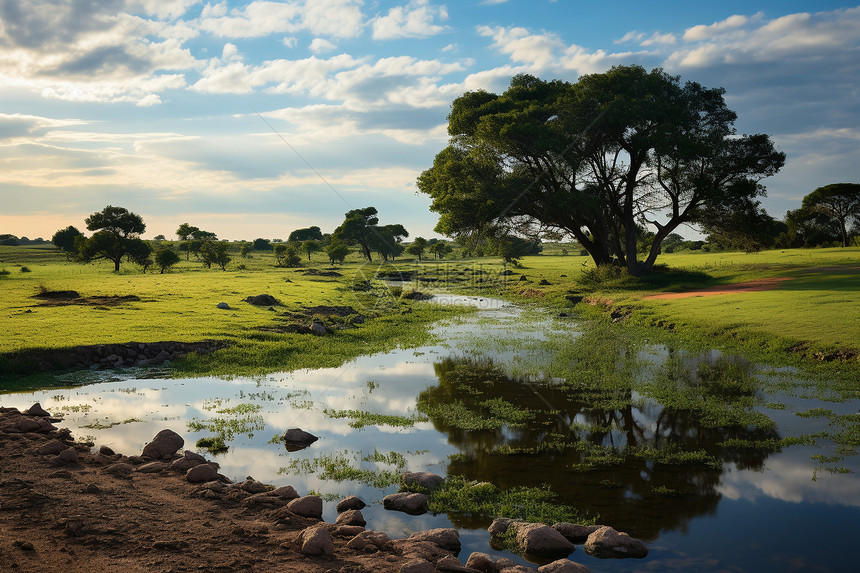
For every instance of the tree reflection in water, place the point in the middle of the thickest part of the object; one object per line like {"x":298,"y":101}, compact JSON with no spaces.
{"x":644,"y":448}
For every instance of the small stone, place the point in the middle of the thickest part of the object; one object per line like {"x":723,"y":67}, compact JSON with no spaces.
{"x":201,"y":473}
{"x":36,"y":410}
{"x":285,"y":492}
{"x":446,"y":538}
{"x":351,"y":517}
{"x":106,"y":451}
{"x":119,"y":469}
{"x":153,"y":467}
{"x":307,"y":506}
{"x":350,"y":502}
{"x":163,"y":445}
{"x":425,"y":480}
{"x":53,"y":447}
{"x":607,"y":542}
{"x":417,"y":566}
{"x":564,"y":566}
{"x":376,"y":538}
{"x":223,"y":306}
{"x":411,"y":503}
{"x":316,"y":541}
{"x":69,"y":455}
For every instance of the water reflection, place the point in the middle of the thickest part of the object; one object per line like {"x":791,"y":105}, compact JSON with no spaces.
{"x":643,"y":464}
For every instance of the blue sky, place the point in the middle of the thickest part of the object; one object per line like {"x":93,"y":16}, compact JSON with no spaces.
{"x":251,"y":119}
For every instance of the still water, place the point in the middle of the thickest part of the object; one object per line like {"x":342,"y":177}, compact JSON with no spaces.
{"x":638,"y":449}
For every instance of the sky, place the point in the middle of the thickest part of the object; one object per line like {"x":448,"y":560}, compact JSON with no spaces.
{"x":252,"y":119}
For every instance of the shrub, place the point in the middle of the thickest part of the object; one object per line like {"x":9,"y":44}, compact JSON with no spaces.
{"x":25,"y":269}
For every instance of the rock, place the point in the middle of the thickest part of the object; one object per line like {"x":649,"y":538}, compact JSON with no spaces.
{"x":106,"y":451}
{"x":348,"y":530}
{"x":285,"y":492}
{"x":417,"y":566}
{"x":350,"y":517}
{"x":223,"y":306}
{"x":424,"y":480}
{"x":193,"y":456}
{"x":482,"y":562}
{"x":153,"y":467}
{"x":446,"y":538}
{"x":298,"y":439}
{"x":564,"y":566}
{"x":25,"y":425}
{"x":316,"y":541}
{"x":318,"y":329}
{"x":307,"y":506}
{"x":37,"y":410}
{"x":183,"y":464}
{"x":365,"y":538}
{"x":500,"y":525}
{"x":69,"y":455}
{"x":350,"y":502}
{"x":53,"y":447}
{"x":163,"y":445}
{"x":540,"y":539}
{"x":607,"y":542}
{"x":411,"y":503}
{"x":575,"y":533}
{"x":452,"y":564}
{"x":121,"y":469}
{"x":253,"y":486}
{"x":201,"y":473}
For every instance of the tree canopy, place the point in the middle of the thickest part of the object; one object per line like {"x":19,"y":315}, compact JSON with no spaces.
{"x":839,"y":203}
{"x":306,"y":234}
{"x":117,"y":235}
{"x":361,"y":227}
{"x":598,"y":159}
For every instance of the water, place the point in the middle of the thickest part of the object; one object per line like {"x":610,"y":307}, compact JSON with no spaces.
{"x":735,"y":509}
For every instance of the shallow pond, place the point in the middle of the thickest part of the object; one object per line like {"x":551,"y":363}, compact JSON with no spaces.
{"x":703,"y":456}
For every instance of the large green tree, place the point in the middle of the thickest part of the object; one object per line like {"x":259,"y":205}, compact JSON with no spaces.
{"x":599,"y":159}
{"x":838,"y":202}
{"x":361,"y":227}
{"x":305,"y":234}
{"x":65,"y":239}
{"x":117,"y":235}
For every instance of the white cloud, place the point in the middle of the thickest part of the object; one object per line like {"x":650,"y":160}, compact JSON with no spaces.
{"x":321,"y":45}
{"x":417,"y":20}
{"x":336,"y":18}
{"x":703,"y":32}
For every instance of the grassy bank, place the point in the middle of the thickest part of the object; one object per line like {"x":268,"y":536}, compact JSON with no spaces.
{"x":50,"y":303}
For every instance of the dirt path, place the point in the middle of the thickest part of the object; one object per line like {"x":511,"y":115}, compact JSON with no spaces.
{"x":757,"y":285}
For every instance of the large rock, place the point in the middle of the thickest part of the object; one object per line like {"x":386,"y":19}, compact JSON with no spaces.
{"x":411,"y":503}
{"x":575,"y":533}
{"x":316,"y":541}
{"x":417,"y":566}
{"x":564,"y":566}
{"x":53,"y":447}
{"x":163,"y":445}
{"x":307,"y":506}
{"x":482,"y":562}
{"x":607,"y":542}
{"x":500,"y":525}
{"x":540,"y":539}
{"x":36,"y":410}
{"x":425,"y":480}
{"x":446,"y":538}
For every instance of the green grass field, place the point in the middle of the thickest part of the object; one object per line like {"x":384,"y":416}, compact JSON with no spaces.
{"x":818,"y":310}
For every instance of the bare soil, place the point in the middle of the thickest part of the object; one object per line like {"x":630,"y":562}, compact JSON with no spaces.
{"x":757,"y":285}
{"x":83,"y":515}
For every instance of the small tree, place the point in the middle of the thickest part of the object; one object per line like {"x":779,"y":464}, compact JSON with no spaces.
{"x":287,"y":255}
{"x":440,"y":249}
{"x":311,"y":246}
{"x":215,"y":252}
{"x":117,"y":235}
{"x":262,"y":245}
{"x":65,"y":239}
{"x":165,"y":257}
{"x":307,"y":234}
{"x":417,"y":248}
{"x":185,"y":232}
{"x":337,"y":252}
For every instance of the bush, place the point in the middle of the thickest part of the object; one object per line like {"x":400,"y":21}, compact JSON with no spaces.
{"x":25,"y":269}
{"x":605,"y":276}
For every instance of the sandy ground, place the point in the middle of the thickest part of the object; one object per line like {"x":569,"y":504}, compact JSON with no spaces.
{"x":83,"y":514}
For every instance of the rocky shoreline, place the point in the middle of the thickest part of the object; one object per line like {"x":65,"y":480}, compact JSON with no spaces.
{"x":65,"y":507}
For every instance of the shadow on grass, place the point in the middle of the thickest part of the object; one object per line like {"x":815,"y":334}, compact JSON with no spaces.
{"x":661,"y":277}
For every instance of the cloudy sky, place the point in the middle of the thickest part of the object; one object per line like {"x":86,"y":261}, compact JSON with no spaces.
{"x":251,"y":119}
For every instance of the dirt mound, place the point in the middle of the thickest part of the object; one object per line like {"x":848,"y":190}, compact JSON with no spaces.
{"x":66,"y":297}
{"x":319,"y":273}
{"x":263,"y":300}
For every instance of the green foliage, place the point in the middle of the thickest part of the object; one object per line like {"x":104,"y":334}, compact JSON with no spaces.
{"x":215,"y":252}
{"x":361,"y":419}
{"x":838,"y":203}
{"x":287,"y":255}
{"x":165,"y":258}
{"x":306,"y":234}
{"x":537,"y":154}
{"x":337,"y":251}
{"x":460,"y":496}
{"x":214,"y":445}
{"x":65,"y":239}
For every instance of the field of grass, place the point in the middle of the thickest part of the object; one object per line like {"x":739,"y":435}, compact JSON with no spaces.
{"x":181,"y":305}
{"x":817,"y":311}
